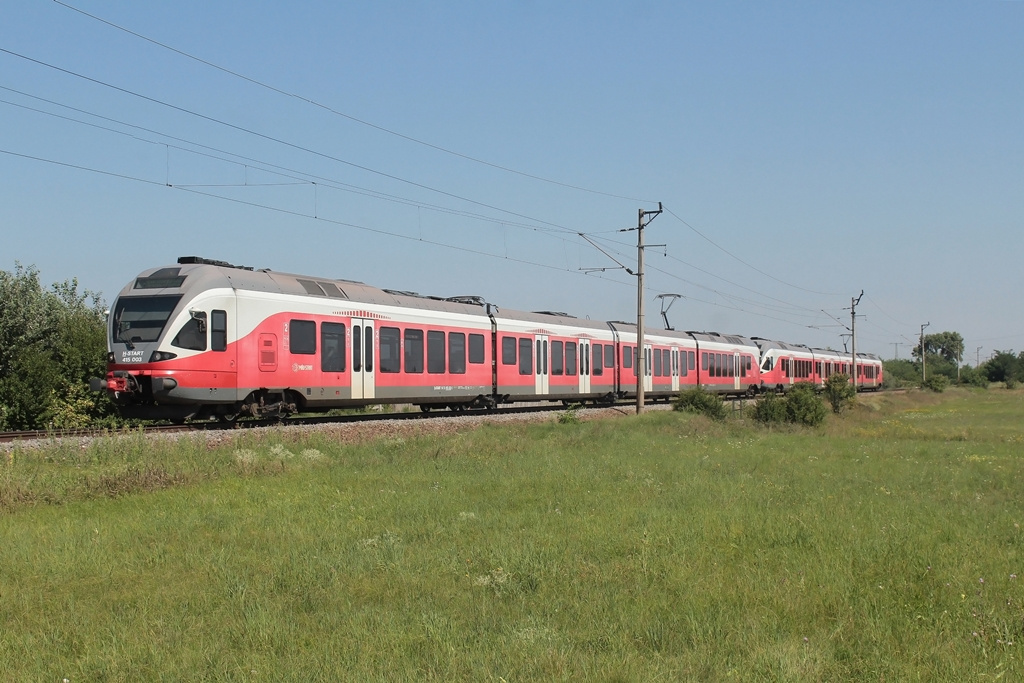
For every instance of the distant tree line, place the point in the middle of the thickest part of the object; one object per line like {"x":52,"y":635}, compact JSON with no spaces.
{"x":51,"y":342}
{"x":943,"y":358}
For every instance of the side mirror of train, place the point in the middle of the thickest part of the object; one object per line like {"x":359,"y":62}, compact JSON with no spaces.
{"x":200,"y":318}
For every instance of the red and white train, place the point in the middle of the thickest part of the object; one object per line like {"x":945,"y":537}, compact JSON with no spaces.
{"x":205,"y":339}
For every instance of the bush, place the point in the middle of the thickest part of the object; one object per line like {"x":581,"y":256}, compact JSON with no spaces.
{"x":702,"y":402}
{"x":770,"y":409}
{"x":937,"y":383}
{"x":571,"y":415}
{"x":803,"y":405}
{"x":973,"y":377}
{"x":839,"y":392}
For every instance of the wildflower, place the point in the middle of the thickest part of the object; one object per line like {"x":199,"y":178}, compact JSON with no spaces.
{"x":1013,"y":576}
{"x":981,"y":580}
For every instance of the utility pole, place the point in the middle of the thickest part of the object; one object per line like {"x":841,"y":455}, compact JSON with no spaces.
{"x":924,"y":375}
{"x":641,"y":358}
{"x":853,"y":335}
{"x":977,"y":358}
{"x":896,"y":349}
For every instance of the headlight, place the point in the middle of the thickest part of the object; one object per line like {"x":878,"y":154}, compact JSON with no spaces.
{"x":161,"y":355}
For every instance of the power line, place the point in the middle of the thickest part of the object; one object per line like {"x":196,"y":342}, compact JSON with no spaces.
{"x":336,"y":112}
{"x":748,"y":265}
{"x":279,"y":141}
{"x":299,"y":214}
{"x":787,"y":307}
{"x":268,"y":167}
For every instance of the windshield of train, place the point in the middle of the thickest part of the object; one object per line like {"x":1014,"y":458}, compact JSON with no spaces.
{"x":141,"y":318}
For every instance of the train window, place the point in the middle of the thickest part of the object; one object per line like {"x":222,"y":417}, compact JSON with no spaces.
{"x":357,"y":344}
{"x":435,"y":352}
{"x":141,"y":318}
{"x":704,"y":362}
{"x":368,"y":348}
{"x":390,"y":349}
{"x":332,"y":347}
{"x":302,"y":337}
{"x":609,"y":355}
{"x":414,"y":351}
{"x":476,"y":348}
{"x":570,"y":358}
{"x":525,"y":357}
{"x":165,"y":278}
{"x":598,"y":366}
{"x":457,"y":353}
{"x":539,"y":370}
{"x":192,"y":334}
{"x":666,"y":362}
{"x":636,"y":362}
{"x":730,"y":366}
{"x":657,"y":362}
{"x":557,"y":358}
{"x":692,"y":359}
{"x":682,"y":363}
{"x":627,"y":356}
{"x":508,"y":350}
{"x":219,"y":330}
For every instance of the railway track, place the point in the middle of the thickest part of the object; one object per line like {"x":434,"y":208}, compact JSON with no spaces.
{"x":364,"y":417}
{"x":55,"y":434}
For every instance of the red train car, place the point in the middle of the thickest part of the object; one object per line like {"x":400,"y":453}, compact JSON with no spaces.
{"x":203,"y":339}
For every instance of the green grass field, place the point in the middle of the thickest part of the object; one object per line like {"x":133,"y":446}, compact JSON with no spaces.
{"x":885,"y":545}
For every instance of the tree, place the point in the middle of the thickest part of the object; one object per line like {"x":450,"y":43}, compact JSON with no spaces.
{"x":948,"y":345}
{"x":51,"y":343}
{"x":900,"y":372}
{"x":1004,"y":366}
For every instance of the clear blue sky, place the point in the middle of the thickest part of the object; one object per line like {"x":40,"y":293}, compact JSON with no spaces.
{"x":804,"y":151}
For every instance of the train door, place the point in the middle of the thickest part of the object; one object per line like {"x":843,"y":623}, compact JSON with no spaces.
{"x":675,"y":369}
{"x":222,"y":332}
{"x":585,"y":366}
{"x":648,"y":377}
{"x":362,"y":359}
{"x":542,"y":385}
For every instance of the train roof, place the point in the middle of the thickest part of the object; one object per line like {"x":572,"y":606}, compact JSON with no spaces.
{"x":767,"y":344}
{"x":195,"y":274}
{"x":737,"y":339}
{"x":551,"y":318}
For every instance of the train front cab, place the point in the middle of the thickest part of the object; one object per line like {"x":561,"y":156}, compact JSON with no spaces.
{"x":169,"y":346}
